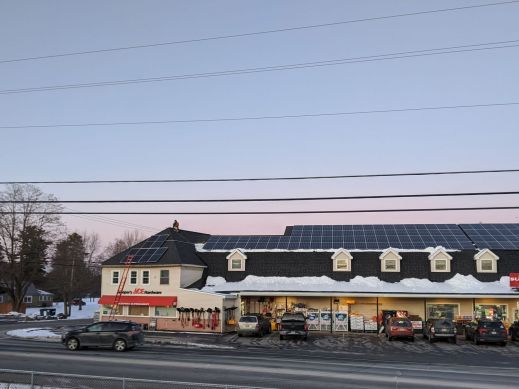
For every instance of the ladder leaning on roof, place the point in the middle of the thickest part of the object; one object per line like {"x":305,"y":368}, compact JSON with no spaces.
{"x":120,"y":288}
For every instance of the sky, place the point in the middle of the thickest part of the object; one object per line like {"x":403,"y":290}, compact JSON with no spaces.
{"x":439,"y":140}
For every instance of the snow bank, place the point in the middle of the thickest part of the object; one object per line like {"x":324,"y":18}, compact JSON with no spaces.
{"x":457,"y":284}
{"x":35,"y":333}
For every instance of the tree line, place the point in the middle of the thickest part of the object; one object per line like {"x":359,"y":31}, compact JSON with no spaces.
{"x":37,"y":249}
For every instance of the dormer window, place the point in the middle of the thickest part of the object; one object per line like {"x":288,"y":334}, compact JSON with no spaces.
{"x":440,"y":261}
{"x":486,"y":261}
{"x":390,"y":261}
{"x":342,"y":260}
{"x":236,"y":260}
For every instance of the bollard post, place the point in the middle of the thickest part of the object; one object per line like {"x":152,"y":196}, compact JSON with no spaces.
{"x":32,"y":380}
{"x":124,"y":383}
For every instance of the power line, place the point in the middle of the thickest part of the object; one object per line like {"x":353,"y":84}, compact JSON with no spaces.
{"x":376,"y":175}
{"x":255,"y":33}
{"x":272,"y":117}
{"x":295,"y":66}
{"x":274,"y":212}
{"x":261,"y":199}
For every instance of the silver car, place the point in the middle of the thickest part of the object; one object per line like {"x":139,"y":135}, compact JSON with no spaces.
{"x":256,"y":325}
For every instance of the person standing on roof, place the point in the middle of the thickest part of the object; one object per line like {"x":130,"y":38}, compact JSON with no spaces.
{"x":176,"y":226}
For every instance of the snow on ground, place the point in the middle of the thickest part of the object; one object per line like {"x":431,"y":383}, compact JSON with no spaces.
{"x":87,"y":311}
{"x":457,"y":284}
{"x":35,"y":333}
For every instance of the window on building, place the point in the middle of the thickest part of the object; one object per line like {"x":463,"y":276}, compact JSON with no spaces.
{"x":342,"y":260}
{"x":236,"y":264}
{"x":236,"y":261}
{"x":440,"y":265}
{"x":492,"y":311}
{"x":166,"y":311}
{"x":45,"y":298}
{"x":487,"y":264}
{"x":27,"y":299}
{"x":486,"y":261}
{"x":442,"y":311}
{"x":1,"y":299}
{"x":390,"y":264}
{"x":390,"y":260}
{"x":138,"y":310}
{"x":107,"y":309}
{"x":115,"y":277}
{"x":133,"y":277}
{"x":145,"y":277}
{"x":164,"y":277}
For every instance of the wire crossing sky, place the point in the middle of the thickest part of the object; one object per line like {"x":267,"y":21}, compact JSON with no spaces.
{"x":262,"y":89}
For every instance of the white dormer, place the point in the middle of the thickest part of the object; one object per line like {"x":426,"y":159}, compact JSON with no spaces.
{"x":342,"y":260}
{"x":236,"y":260}
{"x":440,"y":260}
{"x":390,"y":260}
{"x":486,"y":261}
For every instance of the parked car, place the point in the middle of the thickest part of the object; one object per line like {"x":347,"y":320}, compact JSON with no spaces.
{"x":399,"y":327}
{"x":119,"y":335}
{"x":488,"y":331}
{"x":514,"y":331}
{"x":440,"y":329}
{"x":78,"y":301}
{"x":293,"y":324}
{"x":256,"y":325}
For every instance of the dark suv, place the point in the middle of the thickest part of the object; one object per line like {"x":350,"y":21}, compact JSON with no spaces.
{"x":119,"y":335}
{"x":491,"y":331}
{"x":439,"y":329}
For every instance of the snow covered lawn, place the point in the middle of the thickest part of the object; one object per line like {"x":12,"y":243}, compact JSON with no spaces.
{"x":87,"y":311}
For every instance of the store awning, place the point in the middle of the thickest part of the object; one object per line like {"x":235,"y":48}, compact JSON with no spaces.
{"x":152,"y":301}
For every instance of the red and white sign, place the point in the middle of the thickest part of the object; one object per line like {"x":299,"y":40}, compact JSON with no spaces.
{"x":514,"y":280}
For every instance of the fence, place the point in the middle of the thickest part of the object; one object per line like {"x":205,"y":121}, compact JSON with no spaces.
{"x":24,"y":379}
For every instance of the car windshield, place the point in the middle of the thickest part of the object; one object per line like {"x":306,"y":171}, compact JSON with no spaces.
{"x":401,"y":323}
{"x":443,"y":322}
{"x":491,"y":324}
{"x":248,"y":319}
{"x":293,"y":317}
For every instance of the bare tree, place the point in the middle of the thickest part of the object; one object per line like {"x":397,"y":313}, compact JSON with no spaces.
{"x":24,"y":236}
{"x":129,"y":239}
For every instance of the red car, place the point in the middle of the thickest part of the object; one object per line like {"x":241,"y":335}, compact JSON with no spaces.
{"x":399,"y":327}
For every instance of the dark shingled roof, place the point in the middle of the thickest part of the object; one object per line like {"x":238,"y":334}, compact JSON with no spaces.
{"x":180,"y":249}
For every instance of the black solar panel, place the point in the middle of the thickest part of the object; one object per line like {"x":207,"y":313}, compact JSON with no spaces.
{"x":352,"y":237}
{"x":493,"y":236}
{"x":149,"y":251}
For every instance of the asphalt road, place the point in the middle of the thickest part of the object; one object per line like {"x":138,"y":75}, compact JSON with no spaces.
{"x":350,"y":360}
{"x":288,"y":367}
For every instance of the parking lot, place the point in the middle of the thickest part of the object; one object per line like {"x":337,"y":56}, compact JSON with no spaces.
{"x":361,"y":343}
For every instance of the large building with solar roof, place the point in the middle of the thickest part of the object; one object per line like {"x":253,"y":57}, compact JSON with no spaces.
{"x":358,"y":272}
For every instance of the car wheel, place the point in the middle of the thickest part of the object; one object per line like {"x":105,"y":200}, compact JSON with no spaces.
{"x":281,"y":337}
{"x":453,"y":340}
{"x":240,"y":335}
{"x":260,"y":334}
{"x":73,"y":344}
{"x":431,"y":339}
{"x":305,"y":338}
{"x":390,"y":338}
{"x":476,"y":341}
{"x":503,"y":344}
{"x":412,"y":339}
{"x":120,"y":345}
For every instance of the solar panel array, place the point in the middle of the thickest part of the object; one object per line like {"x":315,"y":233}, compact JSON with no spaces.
{"x":351,"y":237}
{"x":493,"y":236}
{"x":149,"y":251}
